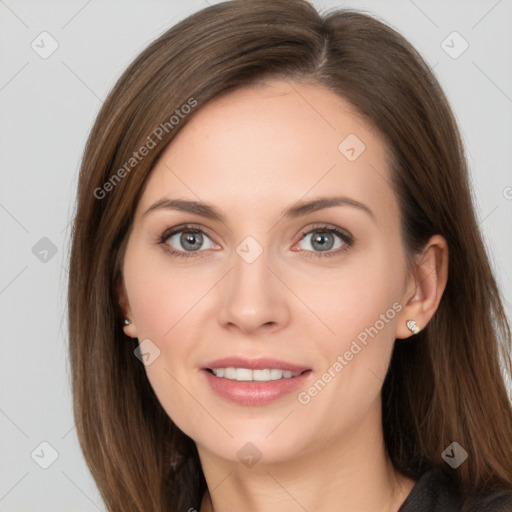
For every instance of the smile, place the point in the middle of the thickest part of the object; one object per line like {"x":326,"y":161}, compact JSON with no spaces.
{"x":247,"y":374}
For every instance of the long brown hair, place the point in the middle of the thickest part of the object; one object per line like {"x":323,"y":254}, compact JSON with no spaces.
{"x":444,"y":386}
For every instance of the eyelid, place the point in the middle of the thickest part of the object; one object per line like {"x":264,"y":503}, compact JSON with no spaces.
{"x":184,"y":227}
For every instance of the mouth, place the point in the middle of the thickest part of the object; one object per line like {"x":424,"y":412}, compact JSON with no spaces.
{"x":249,"y":375}
{"x":254,"y":382}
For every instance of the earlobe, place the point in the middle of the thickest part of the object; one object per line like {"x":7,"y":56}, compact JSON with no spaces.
{"x":430,"y":274}
{"x":412,"y":326}
{"x":128,"y":324}
{"x":129,"y":329}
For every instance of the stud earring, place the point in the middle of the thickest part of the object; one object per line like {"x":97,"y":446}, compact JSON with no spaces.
{"x":413,"y":326}
{"x":127,"y":322}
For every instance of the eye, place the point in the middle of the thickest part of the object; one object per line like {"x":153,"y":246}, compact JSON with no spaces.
{"x":325,"y":241}
{"x":191,"y":241}
{"x":184,"y":240}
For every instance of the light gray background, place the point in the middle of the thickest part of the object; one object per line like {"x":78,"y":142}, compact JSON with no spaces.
{"x":47,"y":108}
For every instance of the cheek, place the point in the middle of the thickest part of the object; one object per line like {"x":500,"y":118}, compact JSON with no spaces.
{"x":165,"y":301}
{"x":359,"y":306}
{"x":355,"y":297}
{"x":161,"y":293}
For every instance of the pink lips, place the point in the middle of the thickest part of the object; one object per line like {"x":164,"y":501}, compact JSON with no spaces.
{"x":254,"y":392}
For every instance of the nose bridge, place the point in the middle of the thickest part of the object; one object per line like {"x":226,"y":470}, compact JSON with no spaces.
{"x":252,"y":296}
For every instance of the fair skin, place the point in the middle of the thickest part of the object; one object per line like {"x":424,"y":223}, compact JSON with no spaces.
{"x":253,"y":153}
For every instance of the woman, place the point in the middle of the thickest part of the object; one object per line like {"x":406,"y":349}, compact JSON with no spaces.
{"x":279,"y":295}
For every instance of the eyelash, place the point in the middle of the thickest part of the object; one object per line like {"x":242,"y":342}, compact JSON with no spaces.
{"x":347,"y":239}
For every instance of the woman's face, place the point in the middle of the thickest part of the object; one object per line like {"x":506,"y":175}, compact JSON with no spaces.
{"x":316,"y":289}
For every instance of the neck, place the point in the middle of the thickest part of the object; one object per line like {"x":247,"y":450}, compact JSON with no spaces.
{"x":351,"y":473}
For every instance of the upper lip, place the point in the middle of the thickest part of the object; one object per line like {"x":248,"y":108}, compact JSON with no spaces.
{"x":254,"y":364}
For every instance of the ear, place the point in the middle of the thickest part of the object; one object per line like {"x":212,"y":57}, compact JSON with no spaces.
{"x":425,"y":286}
{"x":130,"y":329}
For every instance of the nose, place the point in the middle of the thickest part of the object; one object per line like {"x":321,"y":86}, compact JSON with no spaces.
{"x":253,"y":299}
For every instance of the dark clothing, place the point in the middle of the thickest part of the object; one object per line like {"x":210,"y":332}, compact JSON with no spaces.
{"x":435,"y":492}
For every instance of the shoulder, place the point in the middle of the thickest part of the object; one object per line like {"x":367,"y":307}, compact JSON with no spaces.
{"x":435,"y":491}
{"x":490,"y":501}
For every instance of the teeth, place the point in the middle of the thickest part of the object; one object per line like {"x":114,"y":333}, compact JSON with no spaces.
{"x":230,"y":373}
{"x":246,"y":374}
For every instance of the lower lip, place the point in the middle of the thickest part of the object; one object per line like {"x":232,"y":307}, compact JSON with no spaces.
{"x":254,"y":392}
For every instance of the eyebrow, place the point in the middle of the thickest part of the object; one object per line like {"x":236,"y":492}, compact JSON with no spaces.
{"x":298,"y":209}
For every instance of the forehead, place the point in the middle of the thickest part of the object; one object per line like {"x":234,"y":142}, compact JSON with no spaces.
{"x":271,"y":143}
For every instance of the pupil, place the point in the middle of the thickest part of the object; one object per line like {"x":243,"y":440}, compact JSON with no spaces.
{"x":188,"y":240}
{"x":323,"y":240}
